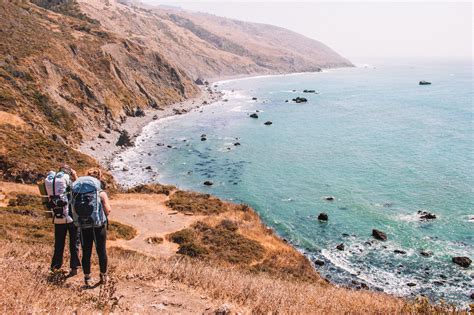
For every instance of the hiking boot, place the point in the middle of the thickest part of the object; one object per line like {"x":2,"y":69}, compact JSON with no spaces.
{"x":87,"y":280}
{"x":103,"y":278}
{"x":72,"y":273}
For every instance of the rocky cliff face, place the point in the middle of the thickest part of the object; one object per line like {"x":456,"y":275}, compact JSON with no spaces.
{"x":70,"y":68}
{"x":62,"y":75}
{"x":211,"y":46}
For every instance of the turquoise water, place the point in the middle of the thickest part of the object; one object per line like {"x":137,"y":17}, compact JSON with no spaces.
{"x":374,"y":139}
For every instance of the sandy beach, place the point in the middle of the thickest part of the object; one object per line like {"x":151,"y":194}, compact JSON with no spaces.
{"x":104,"y":148}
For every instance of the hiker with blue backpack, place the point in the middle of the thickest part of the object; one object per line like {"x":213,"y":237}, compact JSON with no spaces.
{"x":56,"y":191}
{"x":91,"y":208}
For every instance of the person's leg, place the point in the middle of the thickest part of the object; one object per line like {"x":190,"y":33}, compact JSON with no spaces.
{"x":101,"y":248}
{"x":59,"y":240}
{"x":73,"y":246}
{"x":87,"y":238}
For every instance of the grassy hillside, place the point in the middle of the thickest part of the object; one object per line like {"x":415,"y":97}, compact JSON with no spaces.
{"x":63,"y":76}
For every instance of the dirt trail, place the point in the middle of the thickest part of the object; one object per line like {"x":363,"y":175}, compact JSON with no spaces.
{"x":150,"y":216}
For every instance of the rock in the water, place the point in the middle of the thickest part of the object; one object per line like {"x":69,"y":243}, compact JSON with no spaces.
{"x":124,"y":140}
{"x":462,"y":261}
{"x":148,"y":167}
{"x":254,"y":98}
{"x":323,"y":217}
{"x":203,"y":138}
{"x":319,"y":262}
{"x":208,"y":183}
{"x":268,"y":123}
{"x":309,"y":91}
{"x":377,"y":234}
{"x":125,"y":169}
{"x":399,"y":251}
{"x":411,"y":284}
{"x":425,"y":215}
{"x":423,"y":82}
{"x":472,"y":296}
{"x":253,"y":115}
{"x":329,"y":198}
{"x":300,"y":100}
{"x":237,"y":144}
{"x":426,"y":253}
{"x":340,"y":247}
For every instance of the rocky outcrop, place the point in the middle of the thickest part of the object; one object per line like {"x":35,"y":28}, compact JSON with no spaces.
{"x":462,"y":261}
{"x":379,"y":235}
{"x":323,"y":216}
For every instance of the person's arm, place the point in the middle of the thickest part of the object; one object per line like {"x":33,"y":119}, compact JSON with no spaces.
{"x":105,"y":203}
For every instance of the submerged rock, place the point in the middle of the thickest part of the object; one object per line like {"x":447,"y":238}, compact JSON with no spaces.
{"x":399,"y":251}
{"x":426,"y":253}
{"x":377,"y":234}
{"x":319,"y":262}
{"x":268,"y":123}
{"x":323,"y":217}
{"x":340,"y":246}
{"x":464,"y":262}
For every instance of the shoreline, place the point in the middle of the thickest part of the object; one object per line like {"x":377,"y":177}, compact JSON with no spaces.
{"x":103,"y":148}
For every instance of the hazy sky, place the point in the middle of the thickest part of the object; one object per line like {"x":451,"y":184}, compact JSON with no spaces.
{"x":361,"y":30}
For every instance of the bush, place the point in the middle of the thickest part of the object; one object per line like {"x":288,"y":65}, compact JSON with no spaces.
{"x":192,"y":250}
{"x":184,"y":201}
{"x":181,"y":237}
{"x":120,"y":231}
{"x":152,"y":189}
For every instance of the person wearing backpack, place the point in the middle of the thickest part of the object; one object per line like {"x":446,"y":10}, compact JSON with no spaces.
{"x":91,"y":208}
{"x":57,"y":186}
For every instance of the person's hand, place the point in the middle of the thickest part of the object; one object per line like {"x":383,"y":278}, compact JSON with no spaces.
{"x":73,"y":174}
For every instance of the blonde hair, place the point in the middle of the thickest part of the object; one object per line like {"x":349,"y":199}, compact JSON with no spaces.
{"x":95,"y":172}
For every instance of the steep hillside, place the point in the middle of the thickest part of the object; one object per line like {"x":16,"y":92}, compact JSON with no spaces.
{"x":62,"y":76}
{"x":211,"y":46}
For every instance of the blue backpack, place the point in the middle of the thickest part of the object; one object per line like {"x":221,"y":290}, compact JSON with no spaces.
{"x":87,"y":208}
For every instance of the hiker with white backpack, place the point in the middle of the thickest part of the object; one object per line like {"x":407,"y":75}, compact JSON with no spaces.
{"x":91,"y":208}
{"x":56,"y":189}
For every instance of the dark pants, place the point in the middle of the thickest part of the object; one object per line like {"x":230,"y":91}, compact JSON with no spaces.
{"x":88,"y":236}
{"x":60,"y":231}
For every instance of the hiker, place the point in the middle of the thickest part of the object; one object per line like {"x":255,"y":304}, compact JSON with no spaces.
{"x":57,"y":186}
{"x":91,"y":208}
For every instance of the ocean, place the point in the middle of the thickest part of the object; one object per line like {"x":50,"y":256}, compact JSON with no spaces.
{"x":382,"y":145}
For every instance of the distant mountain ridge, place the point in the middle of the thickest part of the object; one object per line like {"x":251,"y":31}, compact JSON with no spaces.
{"x":211,"y":46}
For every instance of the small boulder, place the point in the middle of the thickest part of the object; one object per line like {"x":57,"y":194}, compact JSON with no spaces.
{"x":464,"y":262}
{"x":323,"y":217}
{"x":399,"y":251}
{"x":155,"y":117}
{"x":340,"y":246}
{"x":423,"y":82}
{"x":224,"y":309}
{"x":300,"y":100}
{"x":124,"y":139}
{"x":203,"y":138}
{"x":107,"y":130}
{"x":101,"y":136}
{"x":319,"y":262}
{"x":379,"y":235}
{"x":148,"y":167}
{"x":254,"y":98}
{"x":125,"y":169}
{"x":139,"y":112}
{"x":237,"y":144}
{"x":199,"y":81}
{"x":208,"y":183}
{"x":268,"y":123}
{"x":253,"y":115}
{"x":329,"y":198}
{"x":426,"y":253}
{"x":411,"y":284}
{"x":425,"y":215}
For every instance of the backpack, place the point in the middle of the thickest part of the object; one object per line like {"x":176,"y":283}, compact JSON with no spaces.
{"x":87,"y":208}
{"x":57,"y":186}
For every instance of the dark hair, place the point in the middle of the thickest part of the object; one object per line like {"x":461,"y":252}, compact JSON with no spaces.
{"x":66,"y":169}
